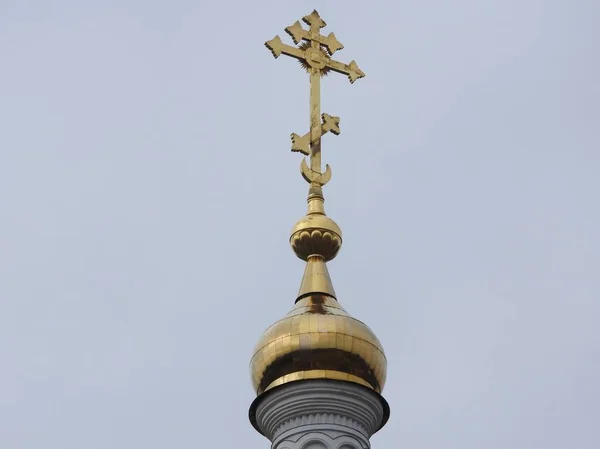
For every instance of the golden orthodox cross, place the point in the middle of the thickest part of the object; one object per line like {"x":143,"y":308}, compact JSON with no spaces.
{"x":314,"y":53}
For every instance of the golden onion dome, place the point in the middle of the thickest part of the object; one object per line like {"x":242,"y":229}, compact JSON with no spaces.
{"x":318,"y":339}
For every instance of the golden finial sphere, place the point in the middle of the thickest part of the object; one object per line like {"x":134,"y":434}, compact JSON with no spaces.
{"x":316,"y":234}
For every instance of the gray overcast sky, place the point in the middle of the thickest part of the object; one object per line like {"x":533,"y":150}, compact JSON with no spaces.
{"x":149,"y":190}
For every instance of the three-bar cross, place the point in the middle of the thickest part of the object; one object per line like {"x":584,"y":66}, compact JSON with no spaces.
{"x":314,"y":53}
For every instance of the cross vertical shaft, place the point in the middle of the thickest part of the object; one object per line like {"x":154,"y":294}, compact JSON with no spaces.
{"x":315,"y":104}
{"x":315,"y":120}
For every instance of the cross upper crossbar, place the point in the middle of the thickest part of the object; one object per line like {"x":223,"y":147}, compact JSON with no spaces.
{"x":297,"y":33}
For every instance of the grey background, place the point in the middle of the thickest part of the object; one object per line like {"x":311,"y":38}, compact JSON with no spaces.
{"x":148,"y":192}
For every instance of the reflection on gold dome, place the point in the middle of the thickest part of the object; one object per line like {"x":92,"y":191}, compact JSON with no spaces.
{"x":318,"y":340}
